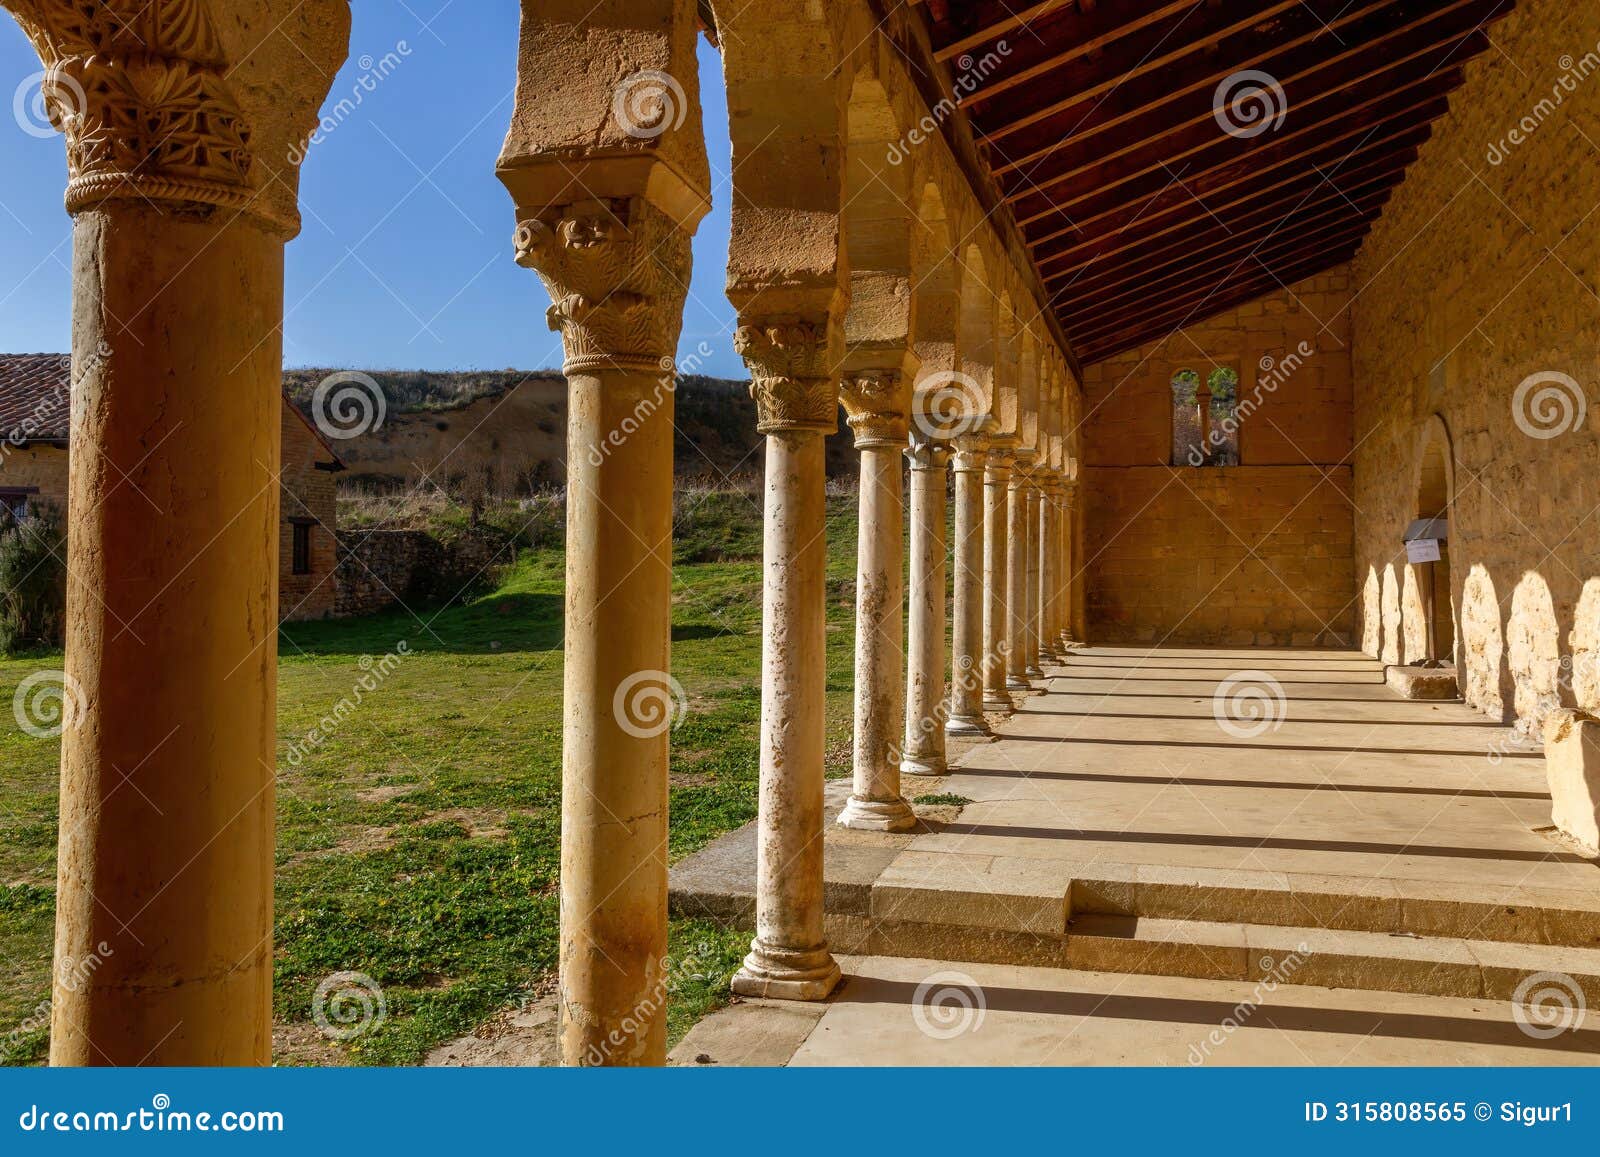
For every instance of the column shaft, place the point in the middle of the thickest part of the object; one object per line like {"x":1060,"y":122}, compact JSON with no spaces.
{"x":1032,"y":626}
{"x":926,"y":707}
{"x":619,"y":708}
{"x":997,"y":482}
{"x":1049,"y":576}
{"x":967,"y":664}
{"x":1016,"y":657}
{"x":789,"y":956}
{"x":875,"y":802}
{"x":168,"y":756}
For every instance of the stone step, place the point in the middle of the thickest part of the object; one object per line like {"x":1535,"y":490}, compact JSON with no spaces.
{"x":1522,"y":915}
{"x":1369,"y":961}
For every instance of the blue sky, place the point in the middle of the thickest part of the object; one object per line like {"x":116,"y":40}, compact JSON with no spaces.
{"x":405,"y":260}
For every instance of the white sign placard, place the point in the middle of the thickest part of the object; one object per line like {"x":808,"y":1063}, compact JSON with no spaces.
{"x":1423,"y":550}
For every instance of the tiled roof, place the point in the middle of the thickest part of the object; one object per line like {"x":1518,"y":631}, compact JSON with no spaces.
{"x":35,"y":396}
{"x":35,"y":400}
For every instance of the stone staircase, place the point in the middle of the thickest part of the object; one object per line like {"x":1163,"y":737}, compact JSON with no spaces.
{"x":1411,"y":936}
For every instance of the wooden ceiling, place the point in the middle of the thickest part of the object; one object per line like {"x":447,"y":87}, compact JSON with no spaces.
{"x":1151,"y":200}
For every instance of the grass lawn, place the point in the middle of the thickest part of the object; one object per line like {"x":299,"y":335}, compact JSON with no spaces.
{"x":419,"y":843}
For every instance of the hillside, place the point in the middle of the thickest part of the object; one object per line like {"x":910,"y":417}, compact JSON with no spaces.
{"x":504,"y":431}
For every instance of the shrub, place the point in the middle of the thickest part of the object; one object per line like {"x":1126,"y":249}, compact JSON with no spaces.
{"x":33,"y":581}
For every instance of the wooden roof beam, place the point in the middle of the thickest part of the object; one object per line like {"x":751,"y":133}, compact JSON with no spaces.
{"x":1331,"y":209}
{"x":1375,"y":98}
{"x":1160,"y":106}
{"x":1320,"y":167}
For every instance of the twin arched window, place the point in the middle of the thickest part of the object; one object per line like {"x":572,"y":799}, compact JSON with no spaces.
{"x":1205,"y":418}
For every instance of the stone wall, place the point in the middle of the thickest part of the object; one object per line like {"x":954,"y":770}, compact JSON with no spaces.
{"x":1256,"y":554}
{"x":379,"y":569}
{"x":1480,"y":276}
{"x":307,"y":495}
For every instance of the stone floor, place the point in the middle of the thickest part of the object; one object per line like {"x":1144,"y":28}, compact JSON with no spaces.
{"x":1152,"y":835}
{"x":1124,"y":760}
{"x":987,"y":1014}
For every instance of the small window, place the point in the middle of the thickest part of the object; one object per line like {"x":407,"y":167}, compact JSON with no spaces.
{"x":14,"y":504}
{"x":302,"y":547}
{"x":1188,"y":432}
{"x":1205,"y":418}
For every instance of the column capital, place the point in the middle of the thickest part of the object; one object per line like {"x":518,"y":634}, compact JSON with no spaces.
{"x":877,"y":405}
{"x":793,"y":371}
{"x":1022,"y":474}
{"x":971,"y":451}
{"x":927,"y":453}
{"x":156,"y":112}
{"x":1001,"y":454}
{"x":617,"y":272}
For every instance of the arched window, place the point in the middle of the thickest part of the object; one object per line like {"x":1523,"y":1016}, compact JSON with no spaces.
{"x":1188,"y":432}
{"x":1205,"y":418}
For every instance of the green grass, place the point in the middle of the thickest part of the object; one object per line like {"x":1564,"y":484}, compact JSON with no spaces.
{"x":948,"y":800}
{"x":419,"y":841}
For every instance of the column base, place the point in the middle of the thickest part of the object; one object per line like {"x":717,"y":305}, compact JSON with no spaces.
{"x":1034,"y":670}
{"x":998,"y":704}
{"x":1048,"y":658}
{"x":1069,"y":643}
{"x":787,"y":973}
{"x":924,"y":765}
{"x":969,"y":726}
{"x":877,"y":815}
{"x":1018,"y":683}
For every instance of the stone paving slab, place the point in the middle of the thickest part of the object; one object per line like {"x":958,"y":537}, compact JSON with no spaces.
{"x":1038,"y":1016}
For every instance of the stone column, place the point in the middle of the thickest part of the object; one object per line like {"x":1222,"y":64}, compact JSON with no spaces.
{"x":967,"y":637}
{"x":607,"y":196}
{"x":792,"y":364}
{"x":1074,"y":635}
{"x":877,"y":406}
{"x":1049,"y":572}
{"x":996,"y":523}
{"x":1032,"y":625}
{"x":1016,"y":633}
{"x":617,"y":272}
{"x":182,"y":198}
{"x":926,"y":707}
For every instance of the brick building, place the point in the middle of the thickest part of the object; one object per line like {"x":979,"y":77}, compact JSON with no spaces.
{"x":34,"y":420}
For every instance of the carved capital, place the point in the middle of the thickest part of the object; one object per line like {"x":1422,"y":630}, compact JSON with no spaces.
{"x":142,"y":91}
{"x":617,"y":273}
{"x":877,"y":404}
{"x":927,"y":453}
{"x":970,"y":454}
{"x":792,"y":372}
{"x":1002,"y":454}
{"x":1024,"y":465}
